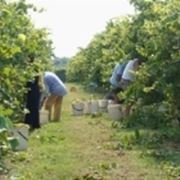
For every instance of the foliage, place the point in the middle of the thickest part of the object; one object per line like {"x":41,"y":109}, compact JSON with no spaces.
{"x":147,"y":116}
{"x":153,"y":35}
{"x":25,"y":51}
{"x":7,"y":142}
{"x":100,"y":56}
{"x":156,"y":34}
{"x":60,"y":63}
{"x":61,"y":73}
{"x":171,"y":169}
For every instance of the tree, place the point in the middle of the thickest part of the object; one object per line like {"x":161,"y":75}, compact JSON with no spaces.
{"x":20,"y":43}
{"x":153,"y":35}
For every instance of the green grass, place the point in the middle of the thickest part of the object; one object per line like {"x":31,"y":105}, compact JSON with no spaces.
{"x":83,"y":147}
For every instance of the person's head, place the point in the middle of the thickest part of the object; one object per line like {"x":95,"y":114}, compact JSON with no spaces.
{"x":137,"y":63}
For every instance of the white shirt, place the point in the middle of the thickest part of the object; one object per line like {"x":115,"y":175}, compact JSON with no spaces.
{"x":128,"y":73}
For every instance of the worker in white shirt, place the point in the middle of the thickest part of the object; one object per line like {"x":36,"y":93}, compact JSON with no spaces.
{"x":128,"y":75}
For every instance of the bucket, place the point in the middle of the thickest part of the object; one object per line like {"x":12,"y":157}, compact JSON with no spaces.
{"x":21,"y":133}
{"x":87,"y":107}
{"x":115,"y":111}
{"x":94,"y":107}
{"x":103,"y":103}
{"x":78,"y":108}
{"x":111,"y":102}
{"x":44,"y":116}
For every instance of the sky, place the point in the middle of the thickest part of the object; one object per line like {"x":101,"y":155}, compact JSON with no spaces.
{"x":73,"y":23}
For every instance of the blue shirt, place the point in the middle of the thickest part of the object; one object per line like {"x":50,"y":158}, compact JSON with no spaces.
{"x":54,"y":84}
{"x":118,"y":71}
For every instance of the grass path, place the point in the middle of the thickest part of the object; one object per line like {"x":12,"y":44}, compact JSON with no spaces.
{"x":79,"y":148}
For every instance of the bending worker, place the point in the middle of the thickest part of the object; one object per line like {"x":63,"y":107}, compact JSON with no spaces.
{"x":57,"y":90}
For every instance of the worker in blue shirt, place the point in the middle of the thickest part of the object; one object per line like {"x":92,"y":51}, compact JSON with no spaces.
{"x":56,"y":90}
{"x":115,"y":80}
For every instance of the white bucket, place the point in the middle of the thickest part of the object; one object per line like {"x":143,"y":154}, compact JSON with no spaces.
{"x":94,"y":107}
{"x":111,"y":102}
{"x":78,"y":109}
{"x":87,"y":107}
{"x":44,"y":116}
{"x":103,"y":103}
{"x":22,"y":135}
{"x":115,"y":111}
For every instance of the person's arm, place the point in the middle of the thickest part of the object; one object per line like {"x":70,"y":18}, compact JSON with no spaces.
{"x":135,"y":65}
{"x":41,"y":83}
{"x":44,"y":93}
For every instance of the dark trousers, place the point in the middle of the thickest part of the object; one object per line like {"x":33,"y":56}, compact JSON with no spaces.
{"x":32,"y":104}
{"x":113,"y":95}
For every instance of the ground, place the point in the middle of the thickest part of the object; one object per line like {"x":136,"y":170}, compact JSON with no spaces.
{"x":80,"y":147}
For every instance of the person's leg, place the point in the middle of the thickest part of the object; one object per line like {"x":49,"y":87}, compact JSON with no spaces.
{"x":35,"y":122}
{"x":33,"y":97}
{"x":109,"y":96}
{"x":114,"y":97}
{"x":115,"y":93}
{"x":57,"y":108}
{"x":49,"y":104}
{"x":35,"y":110}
